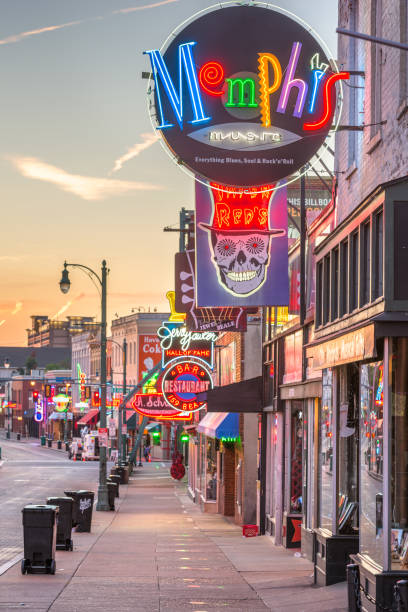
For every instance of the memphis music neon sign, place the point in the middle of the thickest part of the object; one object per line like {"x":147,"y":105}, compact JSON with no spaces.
{"x":272,"y":77}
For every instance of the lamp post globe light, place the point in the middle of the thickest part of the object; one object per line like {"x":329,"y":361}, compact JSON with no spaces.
{"x":65,"y":284}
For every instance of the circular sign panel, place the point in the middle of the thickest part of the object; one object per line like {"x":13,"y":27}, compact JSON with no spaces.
{"x":183,"y":381}
{"x":243,"y":95}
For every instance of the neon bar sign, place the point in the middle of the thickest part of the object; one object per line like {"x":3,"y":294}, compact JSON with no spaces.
{"x":231,"y":89}
{"x":176,"y":341}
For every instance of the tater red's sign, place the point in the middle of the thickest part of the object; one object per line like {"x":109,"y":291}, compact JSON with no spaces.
{"x":243,"y":95}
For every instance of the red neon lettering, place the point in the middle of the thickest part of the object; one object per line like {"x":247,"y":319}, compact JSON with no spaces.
{"x":263,"y":216}
{"x":211,"y":75}
{"x":248,"y":216}
{"x":223,"y":213}
{"x":195,"y":370}
{"x":328,"y":108}
{"x":237,"y":214}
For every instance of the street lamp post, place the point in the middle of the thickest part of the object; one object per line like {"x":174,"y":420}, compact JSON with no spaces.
{"x":102,"y":503}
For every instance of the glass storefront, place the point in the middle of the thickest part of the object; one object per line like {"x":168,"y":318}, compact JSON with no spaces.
{"x":296,"y":500}
{"x":398,"y":453}
{"x":348,"y":445}
{"x":371,"y":461}
{"x":325,"y":466}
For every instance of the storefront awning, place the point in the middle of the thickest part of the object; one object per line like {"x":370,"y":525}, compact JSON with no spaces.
{"x":151,"y":426}
{"x":88,"y":416}
{"x":220,"y":425}
{"x":244,"y":396}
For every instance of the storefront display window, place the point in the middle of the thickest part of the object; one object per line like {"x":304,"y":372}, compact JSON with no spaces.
{"x":371,"y":461}
{"x":348,"y":440}
{"x":211,"y":472}
{"x":325,"y":473}
{"x":399,"y":454}
{"x":296,"y":500}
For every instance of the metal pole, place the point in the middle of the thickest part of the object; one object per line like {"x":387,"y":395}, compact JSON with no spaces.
{"x":122,"y":416}
{"x":102,"y":503}
{"x":302,"y":312}
{"x":373,"y":39}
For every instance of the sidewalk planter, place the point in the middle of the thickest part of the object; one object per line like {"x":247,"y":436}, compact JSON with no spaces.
{"x":84,"y":501}
{"x":40,"y":534}
{"x":64,"y":521}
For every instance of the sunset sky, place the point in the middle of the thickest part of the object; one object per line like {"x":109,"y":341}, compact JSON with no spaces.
{"x":82,"y":176}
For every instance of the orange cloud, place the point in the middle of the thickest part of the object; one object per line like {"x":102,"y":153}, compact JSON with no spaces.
{"x":18,"y":37}
{"x":148,"y":141}
{"x":86,"y":187}
{"x":142,"y":8}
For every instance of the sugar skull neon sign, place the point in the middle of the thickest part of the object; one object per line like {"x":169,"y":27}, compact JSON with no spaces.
{"x":244,"y":94}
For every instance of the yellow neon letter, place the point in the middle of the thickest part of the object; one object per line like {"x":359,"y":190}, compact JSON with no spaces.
{"x":265,"y":89}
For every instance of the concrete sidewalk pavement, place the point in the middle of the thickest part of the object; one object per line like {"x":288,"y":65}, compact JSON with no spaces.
{"x":160,"y":553}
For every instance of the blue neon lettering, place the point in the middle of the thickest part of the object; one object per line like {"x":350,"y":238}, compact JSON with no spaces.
{"x":317,"y":77}
{"x":159,"y":68}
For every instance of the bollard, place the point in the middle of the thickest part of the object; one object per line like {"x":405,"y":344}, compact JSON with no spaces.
{"x":401,"y":595}
{"x":353,"y":587}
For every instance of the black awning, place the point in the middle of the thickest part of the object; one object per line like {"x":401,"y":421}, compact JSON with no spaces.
{"x":244,"y":396}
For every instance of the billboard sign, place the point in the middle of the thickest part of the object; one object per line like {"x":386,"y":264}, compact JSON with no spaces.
{"x":241,"y":247}
{"x":243,"y":95}
{"x":149,"y":354}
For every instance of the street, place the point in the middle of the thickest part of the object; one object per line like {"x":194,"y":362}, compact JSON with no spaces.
{"x":29,"y":474}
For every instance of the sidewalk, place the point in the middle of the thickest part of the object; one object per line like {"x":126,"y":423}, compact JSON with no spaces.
{"x":159,"y":553}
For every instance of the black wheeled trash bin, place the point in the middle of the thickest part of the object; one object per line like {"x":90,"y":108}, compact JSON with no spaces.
{"x":84,"y":501}
{"x":116,"y":479}
{"x":73,"y":495}
{"x":40,"y":535}
{"x":111,"y":494}
{"x":64,"y":521}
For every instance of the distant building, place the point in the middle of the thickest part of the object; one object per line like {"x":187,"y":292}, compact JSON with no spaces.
{"x":47,"y":332}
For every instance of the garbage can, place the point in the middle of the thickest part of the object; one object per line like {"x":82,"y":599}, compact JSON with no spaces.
{"x":111,"y":494}
{"x":18,"y":436}
{"x":116,"y":479}
{"x":122,"y":471}
{"x":75,"y":507}
{"x":84,"y":502}
{"x":67,"y":447}
{"x":64,"y":521}
{"x":40,"y":534}
{"x":43,"y":440}
{"x":49,"y":442}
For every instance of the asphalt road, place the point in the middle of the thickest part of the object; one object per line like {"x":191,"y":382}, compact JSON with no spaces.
{"x":29,"y":474}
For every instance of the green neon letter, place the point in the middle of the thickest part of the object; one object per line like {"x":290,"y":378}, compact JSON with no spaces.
{"x":246,"y":86}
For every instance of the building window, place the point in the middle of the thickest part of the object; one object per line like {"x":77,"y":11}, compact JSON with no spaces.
{"x":344,"y":277}
{"x":335,"y":284}
{"x":319,"y":293}
{"x":326,"y":289}
{"x":353,"y":275}
{"x":365,"y":264}
{"x":376,"y":67}
{"x":378,"y":246}
{"x":325,"y":467}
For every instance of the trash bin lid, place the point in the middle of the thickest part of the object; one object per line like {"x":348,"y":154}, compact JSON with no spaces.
{"x":59,"y":500}
{"x":83,"y":492}
{"x":40,"y":508}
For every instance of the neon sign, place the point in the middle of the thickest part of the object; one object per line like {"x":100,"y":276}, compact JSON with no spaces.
{"x":177,"y":341}
{"x":61,"y":402}
{"x":38,"y":409}
{"x":181,"y":383}
{"x":154,"y":406}
{"x":241,"y":90}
